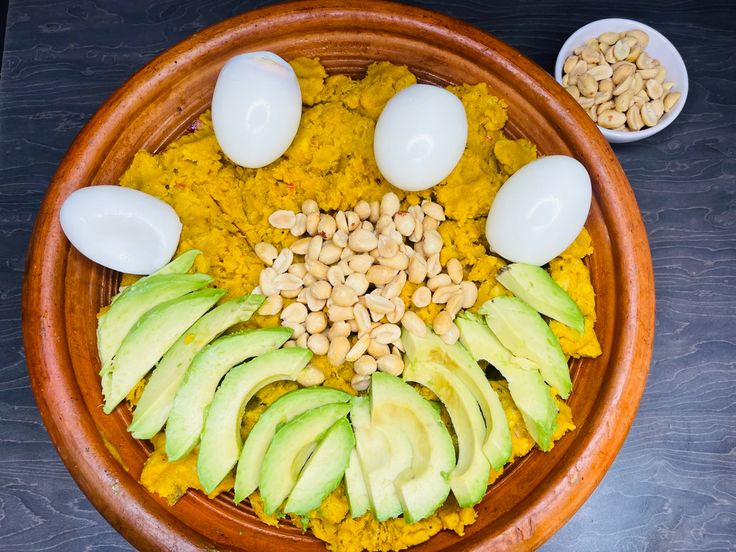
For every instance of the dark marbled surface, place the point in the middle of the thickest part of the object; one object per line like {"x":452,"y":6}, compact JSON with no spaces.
{"x":673,"y":485}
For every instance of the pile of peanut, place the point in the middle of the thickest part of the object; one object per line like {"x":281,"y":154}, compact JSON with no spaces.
{"x":346,"y":277}
{"x":619,"y":85}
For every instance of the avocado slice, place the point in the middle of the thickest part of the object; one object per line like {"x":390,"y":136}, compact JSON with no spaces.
{"x":497,"y":443}
{"x":355,"y":487}
{"x":323,"y":471}
{"x":522,"y":331}
{"x":397,"y":407}
{"x":181,"y":265}
{"x":383,"y":456}
{"x":289,"y":451}
{"x":115,"y":323}
{"x":154,"y":333}
{"x":155,"y":403}
{"x":221,"y":443}
{"x":469,"y":479}
{"x":280,"y":412}
{"x":533,"y":285}
{"x":188,"y":411}
{"x":528,"y":390}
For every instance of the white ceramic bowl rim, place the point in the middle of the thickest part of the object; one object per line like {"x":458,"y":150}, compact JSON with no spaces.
{"x":676,"y":64}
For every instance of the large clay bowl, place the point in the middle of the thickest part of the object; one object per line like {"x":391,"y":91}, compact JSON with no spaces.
{"x":63,"y":291}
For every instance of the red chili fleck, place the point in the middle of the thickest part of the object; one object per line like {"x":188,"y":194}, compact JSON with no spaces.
{"x":194,"y":126}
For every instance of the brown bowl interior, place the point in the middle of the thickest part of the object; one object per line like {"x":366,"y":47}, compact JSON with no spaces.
{"x":63,"y":290}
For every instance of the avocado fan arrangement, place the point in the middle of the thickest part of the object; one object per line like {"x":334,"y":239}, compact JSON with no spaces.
{"x":390,"y":446}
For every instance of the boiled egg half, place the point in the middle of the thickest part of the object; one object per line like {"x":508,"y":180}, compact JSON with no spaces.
{"x":420,"y":136}
{"x":256,"y":108}
{"x":540,"y":210}
{"x":121,"y":228}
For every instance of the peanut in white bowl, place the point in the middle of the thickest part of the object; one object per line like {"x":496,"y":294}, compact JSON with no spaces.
{"x":659,"y":47}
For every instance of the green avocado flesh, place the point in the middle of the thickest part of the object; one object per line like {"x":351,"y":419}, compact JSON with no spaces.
{"x":497,"y":442}
{"x":469,"y":479}
{"x":355,"y":486}
{"x":323,"y":471}
{"x":186,"y":419}
{"x":533,"y":285}
{"x":220,"y":442}
{"x":149,"y":339}
{"x":528,"y":390}
{"x":280,"y":412}
{"x":397,"y":407}
{"x":289,"y":451}
{"x":155,"y":403}
{"x":181,"y":265}
{"x":383,"y":455}
{"x":522,"y":331}
{"x":114,"y":324}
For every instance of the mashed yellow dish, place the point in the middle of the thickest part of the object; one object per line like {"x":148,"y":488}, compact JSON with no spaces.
{"x":224,"y":210}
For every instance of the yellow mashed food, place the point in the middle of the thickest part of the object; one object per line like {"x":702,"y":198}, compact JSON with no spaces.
{"x":224,"y":210}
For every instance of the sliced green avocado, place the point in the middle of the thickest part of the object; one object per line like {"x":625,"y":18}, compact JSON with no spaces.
{"x":155,"y":403}
{"x":149,"y":339}
{"x":181,"y":265}
{"x":469,"y":479}
{"x":383,"y":456}
{"x":289,"y":451}
{"x":115,"y":323}
{"x":112,"y":328}
{"x":528,"y":390}
{"x":522,"y":331}
{"x":221,"y":441}
{"x":355,"y":487}
{"x":497,"y":443}
{"x":280,"y":412}
{"x":536,"y":287}
{"x":186,"y":419}
{"x":323,"y":471}
{"x":397,"y":407}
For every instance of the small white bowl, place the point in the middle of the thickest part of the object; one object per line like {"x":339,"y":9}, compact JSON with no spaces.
{"x":659,"y":48}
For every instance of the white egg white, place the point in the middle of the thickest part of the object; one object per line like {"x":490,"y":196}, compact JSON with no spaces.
{"x":540,"y":210}
{"x":256,"y":108}
{"x":121,"y":228}
{"x":420,"y":136}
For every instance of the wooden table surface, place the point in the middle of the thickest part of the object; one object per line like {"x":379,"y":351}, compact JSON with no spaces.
{"x":672,"y":486}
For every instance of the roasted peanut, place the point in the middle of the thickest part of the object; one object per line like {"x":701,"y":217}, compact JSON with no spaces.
{"x":670,"y":100}
{"x":611,"y":119}
{"x":649,"y":114}
{"x":606,"y":85}
{"x":621,"y":50}
{"x":641,"y":37}
{"x":654,"y":89}
{"x":633,"y":118}
{"x":282,"y":219}
{"x":622,"y":72}
{"x":609,"y":38}
{"x":587,"y":85}
{"x":600,"y":72}
{"x":310,"y":376}
{"x":570,"y":63}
